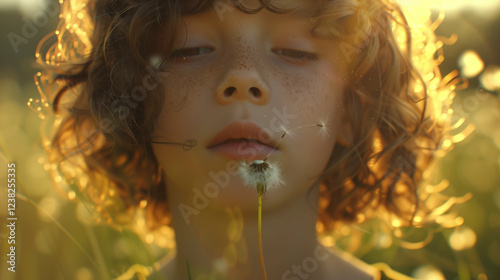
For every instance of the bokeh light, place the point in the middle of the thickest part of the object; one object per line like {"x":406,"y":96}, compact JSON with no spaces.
{"x":84,"y":273}
{"x":482,"y":276}
{"x":490,"y":79}
{"x":462,"y":239}
{"x":49,"y":208}
{"x":428,"y":272}
{"x":470,"y":64}
{"x":84,"y":214}
{"x":384,"y":241}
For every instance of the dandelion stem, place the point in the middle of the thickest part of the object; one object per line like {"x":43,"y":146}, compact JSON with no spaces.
{"x":259,"y":214}
{"x":188,"y":270}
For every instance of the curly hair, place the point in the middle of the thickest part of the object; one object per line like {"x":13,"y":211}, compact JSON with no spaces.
{"x":99,"y":65}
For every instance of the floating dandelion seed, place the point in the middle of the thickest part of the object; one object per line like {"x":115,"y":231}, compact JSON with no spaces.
{"x":323,"y":131}
{"x":288,"y":132}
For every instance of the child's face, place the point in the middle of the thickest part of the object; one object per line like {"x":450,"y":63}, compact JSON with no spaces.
{"x":265,"y":69}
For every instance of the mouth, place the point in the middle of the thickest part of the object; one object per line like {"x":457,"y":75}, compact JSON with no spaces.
{"x":243,"y":141}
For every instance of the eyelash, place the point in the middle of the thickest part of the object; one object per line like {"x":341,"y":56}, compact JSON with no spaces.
{"x":195,"y":51}
{"x":188,"y":52}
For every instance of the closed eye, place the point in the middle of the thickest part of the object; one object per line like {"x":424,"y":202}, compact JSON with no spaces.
{"x":190,"y":52}
{"x":296,"y":54}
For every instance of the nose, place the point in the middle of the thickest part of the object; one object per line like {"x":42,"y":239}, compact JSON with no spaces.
{"x":243,"y":84}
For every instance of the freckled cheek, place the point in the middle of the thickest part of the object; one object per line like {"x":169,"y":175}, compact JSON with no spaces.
{"x":313,"y":147}
{"x":290,"y":89}
{"x":187,"y":85}
{"x":314,"y":98}
{"x":187,"y":103}
{"x":201,"y":84}
{"x":311,"y":97}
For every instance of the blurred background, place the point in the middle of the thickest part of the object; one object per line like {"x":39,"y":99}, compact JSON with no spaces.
{"x":58,"y":239}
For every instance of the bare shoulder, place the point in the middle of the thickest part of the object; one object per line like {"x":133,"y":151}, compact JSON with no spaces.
{"x":342,"y":265}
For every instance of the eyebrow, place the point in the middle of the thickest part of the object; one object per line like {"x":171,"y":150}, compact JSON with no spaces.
{"x":300,"y":12}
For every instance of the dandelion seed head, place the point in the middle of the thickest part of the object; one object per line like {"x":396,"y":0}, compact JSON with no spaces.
{"x":261,"y":172}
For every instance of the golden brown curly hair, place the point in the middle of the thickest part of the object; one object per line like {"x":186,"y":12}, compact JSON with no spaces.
{"x":100,"y":82}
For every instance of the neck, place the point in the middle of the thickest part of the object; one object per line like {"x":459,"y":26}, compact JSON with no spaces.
{"x":224,"y":241}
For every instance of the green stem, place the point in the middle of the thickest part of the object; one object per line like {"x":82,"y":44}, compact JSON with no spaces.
{"x":188,"y":270}
{"x":261,"y":254}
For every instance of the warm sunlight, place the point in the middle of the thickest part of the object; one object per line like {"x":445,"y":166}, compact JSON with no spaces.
{"x":491,"y":6}
{"x":403,"y":175}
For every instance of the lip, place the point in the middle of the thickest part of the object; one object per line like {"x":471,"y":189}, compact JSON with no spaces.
{"x":242,"y":141}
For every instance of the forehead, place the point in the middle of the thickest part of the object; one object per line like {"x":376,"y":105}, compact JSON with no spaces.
{"x":284,"y":4}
